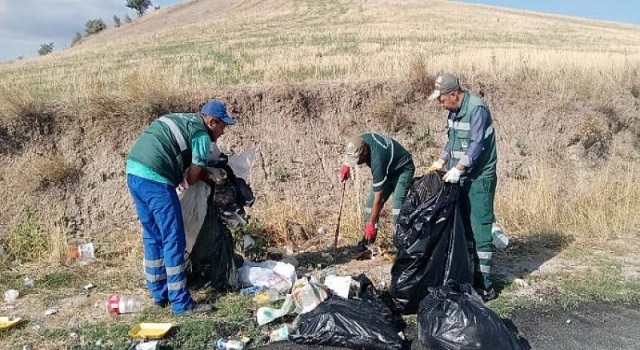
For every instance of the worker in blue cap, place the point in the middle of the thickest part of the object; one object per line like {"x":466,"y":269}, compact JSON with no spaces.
{"x":156,"y":164}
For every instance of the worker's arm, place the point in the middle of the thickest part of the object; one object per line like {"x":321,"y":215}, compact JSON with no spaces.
{"x":200,"y":148}
{"x":376,"y":207}
{"x":477,"y":131}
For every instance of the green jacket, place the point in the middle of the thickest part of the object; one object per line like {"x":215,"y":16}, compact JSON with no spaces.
{"x":459,"y":139}
{"x":165,"y":146}
{"x":387,"y":157}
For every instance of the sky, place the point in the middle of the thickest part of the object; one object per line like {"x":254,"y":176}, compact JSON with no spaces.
{"x":27,"y":24}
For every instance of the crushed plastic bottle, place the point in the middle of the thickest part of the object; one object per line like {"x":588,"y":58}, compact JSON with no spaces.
{"x":228,"y":344}
{"x":124,"y":304}
{"x":29,"y":282}
{"x":500,"y":240}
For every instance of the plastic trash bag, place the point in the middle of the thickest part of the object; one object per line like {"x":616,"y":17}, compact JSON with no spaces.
{"x":364,"y":322}
{"x":213,"y":259}
{"x":430,"y":241}
{"x":267,"y":274}
{"x":193,"y":201}
{"x":454,"y":317}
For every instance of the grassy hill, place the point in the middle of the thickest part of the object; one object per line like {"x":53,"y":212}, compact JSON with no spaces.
{"x":304,"y":75}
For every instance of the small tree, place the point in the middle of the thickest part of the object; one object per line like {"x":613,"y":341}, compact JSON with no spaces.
{"x":94,"y":26}
{"x":140,"y":6}
{"x":127,"y":19}
{"x":45,"y":49}
{"x":76,"y":39}
{"x":116,"y":21}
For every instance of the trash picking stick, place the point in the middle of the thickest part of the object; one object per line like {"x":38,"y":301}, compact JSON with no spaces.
{"x":335,"y":239}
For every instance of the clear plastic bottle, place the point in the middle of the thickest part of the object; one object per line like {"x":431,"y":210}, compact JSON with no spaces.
{"x":228,"y":344}
{"x":124,"y":304}
{"x":500,"y":240}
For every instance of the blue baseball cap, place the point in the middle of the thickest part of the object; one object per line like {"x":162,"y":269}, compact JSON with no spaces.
{"x":219,"y":110}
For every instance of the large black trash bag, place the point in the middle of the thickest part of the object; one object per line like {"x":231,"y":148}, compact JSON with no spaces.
{"x":430,"y":242}
{"x":453,"y":317}
{"x":363,"y":322}
{"x":213,"y":260}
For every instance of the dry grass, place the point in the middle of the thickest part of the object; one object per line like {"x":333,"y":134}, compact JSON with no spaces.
{"x":598,"y":206}
{"x":335,"y":41}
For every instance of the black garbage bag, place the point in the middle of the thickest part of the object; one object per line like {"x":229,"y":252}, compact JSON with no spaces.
{"x":430,"y":241}
{"x":453,"y":317}
{"x":363,"y":322}
{"x":213,"y":259}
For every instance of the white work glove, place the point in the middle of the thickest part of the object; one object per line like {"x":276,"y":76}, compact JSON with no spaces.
{"x":453,"y":175}
{"x":436,"y":166}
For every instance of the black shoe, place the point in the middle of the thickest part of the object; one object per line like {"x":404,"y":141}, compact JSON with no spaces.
{"x":198,"y":309}
{"x":160,"y":304}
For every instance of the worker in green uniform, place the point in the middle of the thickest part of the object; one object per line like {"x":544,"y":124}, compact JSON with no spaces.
{"x":471,"y":157}
{"x":392,"y":170}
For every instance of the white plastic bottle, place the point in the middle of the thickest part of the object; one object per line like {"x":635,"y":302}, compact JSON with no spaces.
{"x":228,"y":344}
{"x":124,"y":304}
{"x":500,"y":240}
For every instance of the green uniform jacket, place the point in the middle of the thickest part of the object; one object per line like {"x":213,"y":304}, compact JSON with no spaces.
{"x":459,"y":138}
{"x":165,"y":146}
{"x":387,"y":157}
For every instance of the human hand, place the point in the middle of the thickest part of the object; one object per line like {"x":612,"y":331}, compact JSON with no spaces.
{"x":369,"y":231}
{"x":453,"y":175}
{"x":204,"y":175}
{"x":345,"y":173}
{"x":436,"y":166}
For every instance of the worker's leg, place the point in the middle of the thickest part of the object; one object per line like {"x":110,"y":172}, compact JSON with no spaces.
{"x":154,"y":270}
{"x":481,"y":194}
{"x":400,"y":192}
{"x":387,"y":189}
{"x":168,"y":215}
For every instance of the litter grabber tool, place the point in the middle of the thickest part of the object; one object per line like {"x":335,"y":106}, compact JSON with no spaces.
{"x":335,"y":238}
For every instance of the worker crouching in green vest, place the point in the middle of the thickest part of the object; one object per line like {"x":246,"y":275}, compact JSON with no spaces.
{"x":471,"y":156}
{"x":392,"y":171}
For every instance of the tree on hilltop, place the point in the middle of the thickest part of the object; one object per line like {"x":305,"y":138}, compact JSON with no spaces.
{"x":94,"y":26}
{"x":76,"y":39}
{"x":140,"y":6}
{"x":116,"y":21}
{"x":45,"y":49}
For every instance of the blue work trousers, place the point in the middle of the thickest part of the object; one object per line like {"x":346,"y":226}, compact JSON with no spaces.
{"x":164,"y":241}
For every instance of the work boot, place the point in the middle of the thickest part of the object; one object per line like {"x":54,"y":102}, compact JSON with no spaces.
{"x":197,"y":308}
{"x":160,"y":304}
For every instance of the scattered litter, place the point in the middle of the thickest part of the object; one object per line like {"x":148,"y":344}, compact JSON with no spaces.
{"x":280,"y":334}
{"x":228,"y":344}
{"x":150,"y":330}
{"x":329,"y":271}
{"x":250,"y":290}
{"x":36,"y":327}
{"x":149,"y":345}
{"x":124,"y":304}
{"x":307,"y":295}
{"x":8,"y":322}
{"x":88,"y":286}
{"x":321,"y":230}
{"x":51,"y":311}
{"x":265,"y":296}
{"x":99,"y":342}
{"x":366,"y":255}
{"x":73,"y":335}
{"x":11,"y":295}
{"x":568,"y":321}
{"x":265,"y":315}
{"x":268,"y":274}
{"x":7,"y":308}
{"x":28,"y":282}
{"x":339,"y":285}
{"x":85,"y":252}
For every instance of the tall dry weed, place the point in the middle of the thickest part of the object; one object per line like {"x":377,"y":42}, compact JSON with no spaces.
{"x":595,"y":205}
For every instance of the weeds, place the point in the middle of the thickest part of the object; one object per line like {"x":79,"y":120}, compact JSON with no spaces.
{"x":26,"y":242}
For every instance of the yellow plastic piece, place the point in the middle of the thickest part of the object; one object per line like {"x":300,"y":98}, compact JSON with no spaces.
{"x":8,"y":323}
{"x":150,"y":330}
